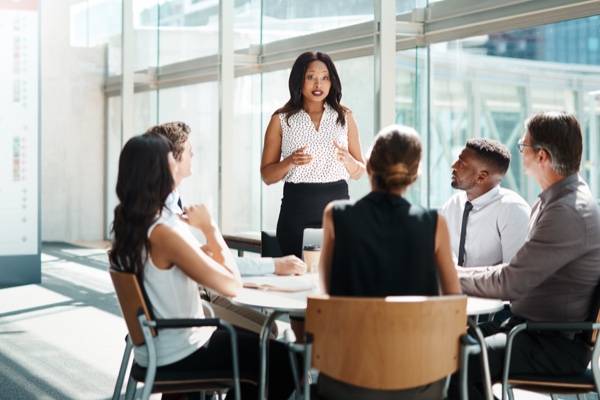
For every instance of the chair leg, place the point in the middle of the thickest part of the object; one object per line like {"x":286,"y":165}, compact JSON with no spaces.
{"x":510,"y":393}
{"x":122,"y":370}
{"x":581,"y":396}
{"x":555,"y":397}
{"x":131,"y":388}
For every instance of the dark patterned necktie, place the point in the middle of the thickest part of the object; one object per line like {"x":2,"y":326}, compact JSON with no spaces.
{"x":463,"y":233}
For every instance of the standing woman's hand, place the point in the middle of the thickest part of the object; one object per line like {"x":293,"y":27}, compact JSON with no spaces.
{"x":342,"y":155}
{"x":300,"y":156}
{"x":351,"y":157}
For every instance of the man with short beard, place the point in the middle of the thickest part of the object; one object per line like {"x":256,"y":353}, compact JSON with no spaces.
{"x":496,"y":226}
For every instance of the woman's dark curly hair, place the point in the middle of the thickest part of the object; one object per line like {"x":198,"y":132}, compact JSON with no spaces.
{"x":296,"y":83}
{"x":143,"y":184}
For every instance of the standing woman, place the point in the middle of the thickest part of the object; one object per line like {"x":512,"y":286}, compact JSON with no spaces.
{"x":312,"y":143}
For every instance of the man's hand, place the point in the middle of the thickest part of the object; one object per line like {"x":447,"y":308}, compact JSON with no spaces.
{"x":289,"y":265}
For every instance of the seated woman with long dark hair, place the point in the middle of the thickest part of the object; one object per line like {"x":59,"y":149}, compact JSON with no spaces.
{"x":170,"y":267}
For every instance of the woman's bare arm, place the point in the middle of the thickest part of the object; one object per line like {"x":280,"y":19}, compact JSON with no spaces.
{"x":272,"y":167}
{"x":356,"y":168}
{"x":169,"y":247}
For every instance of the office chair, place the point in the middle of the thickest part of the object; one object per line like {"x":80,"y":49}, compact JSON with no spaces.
{"x":208,"y":310}
{"x":382,"y":345}
{"x":269,"y":246}
{"x":588,"y":381}
{"x":143,"y":328}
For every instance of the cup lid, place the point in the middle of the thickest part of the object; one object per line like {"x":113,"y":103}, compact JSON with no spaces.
{"x":312,"y":247}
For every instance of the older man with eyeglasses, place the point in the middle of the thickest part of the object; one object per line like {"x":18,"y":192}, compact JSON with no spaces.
{"x":554,"y":276}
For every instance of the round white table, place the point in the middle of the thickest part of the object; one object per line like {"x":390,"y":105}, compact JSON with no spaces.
{"x":294,"y":303}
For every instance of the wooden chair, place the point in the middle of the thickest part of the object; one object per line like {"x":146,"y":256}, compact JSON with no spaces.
{"x":387,"y":344}
{"x":143,"y":328}
{"x":587,"y":382}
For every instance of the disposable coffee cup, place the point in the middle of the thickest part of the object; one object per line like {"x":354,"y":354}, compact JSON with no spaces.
{"x":311,"y":255}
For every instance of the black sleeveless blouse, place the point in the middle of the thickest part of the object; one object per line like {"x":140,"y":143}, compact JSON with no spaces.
{"x":384,"y":246}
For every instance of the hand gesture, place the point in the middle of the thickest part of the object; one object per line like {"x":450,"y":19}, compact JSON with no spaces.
{"x":341,"y":153}
{"x":206,"y":249}
{"x":289,"y":265}
{"x":300,"y":156}
{"x":197,"y":216}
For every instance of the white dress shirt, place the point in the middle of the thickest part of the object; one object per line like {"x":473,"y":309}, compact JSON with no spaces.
{"x":496,"y":227}
{"x":247,"y":266}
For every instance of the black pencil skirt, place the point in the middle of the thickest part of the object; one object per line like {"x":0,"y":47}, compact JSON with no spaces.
{"x":302,"y":207}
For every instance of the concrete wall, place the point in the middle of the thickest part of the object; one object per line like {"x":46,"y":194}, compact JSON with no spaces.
{"x":72,"y":131}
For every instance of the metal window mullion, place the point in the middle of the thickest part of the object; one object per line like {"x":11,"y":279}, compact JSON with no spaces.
{"x":384,"y":53}
{"x":226,"y":116}
{"x":127,"y":77}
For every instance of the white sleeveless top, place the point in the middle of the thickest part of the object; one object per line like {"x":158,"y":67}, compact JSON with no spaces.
{"x":173,"y":295}
{"x":301,"y":131}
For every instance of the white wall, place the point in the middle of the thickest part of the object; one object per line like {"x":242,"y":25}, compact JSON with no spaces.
{"x":72,"y":131}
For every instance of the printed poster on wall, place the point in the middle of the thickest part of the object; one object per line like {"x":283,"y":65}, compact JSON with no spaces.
{"x":19,"y":91}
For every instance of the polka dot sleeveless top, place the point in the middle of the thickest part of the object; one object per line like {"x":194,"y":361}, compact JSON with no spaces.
{"x":301,"y":131}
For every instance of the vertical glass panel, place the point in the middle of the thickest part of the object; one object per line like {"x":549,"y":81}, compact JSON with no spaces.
{"x":247,"y":23}
{"x":292,"y":18}
{"x":591,"y":157}
{"x":403,"y":6}
{"x":411,"y":110}
{"x":247,"y":153}
{"x":98,"y":23}
{"x":357,"y":77}
{"x":114,"y":143}
{"x":95,"y":23}
{"x":178,"y":30}
{"x":196,"y":105}
{"x":146,"y":34}
{"x":145,"y":105}
{"x":486,"y":86}
{"x":275,"y":94}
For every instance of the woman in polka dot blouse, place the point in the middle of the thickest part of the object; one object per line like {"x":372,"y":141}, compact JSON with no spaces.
{"x":311,"y":143}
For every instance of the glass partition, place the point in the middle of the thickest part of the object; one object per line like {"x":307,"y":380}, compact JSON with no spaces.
{"x":293,"y":18}
{"x":476,"y":86}
{"x":487,"y":86}
{"x":196,"y":105}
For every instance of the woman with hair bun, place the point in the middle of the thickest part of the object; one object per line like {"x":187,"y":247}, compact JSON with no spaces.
{"x":381,"y":245}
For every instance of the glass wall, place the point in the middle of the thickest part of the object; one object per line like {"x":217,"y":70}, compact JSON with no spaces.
{"x":487,"y":86}
{"x":450,"y":84}
{"x":196,"y":105}
{"x":284,"y":19}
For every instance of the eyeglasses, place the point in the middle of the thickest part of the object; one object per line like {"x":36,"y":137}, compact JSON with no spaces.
{"x":520,"y":145}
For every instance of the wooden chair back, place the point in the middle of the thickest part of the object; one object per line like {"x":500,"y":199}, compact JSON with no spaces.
{"x":131,"y":300}
{"x":390,"y":343}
